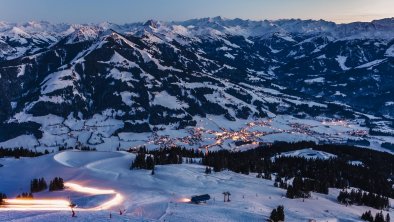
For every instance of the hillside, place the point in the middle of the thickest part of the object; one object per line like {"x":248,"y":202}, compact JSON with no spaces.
{"x":164,"y":195}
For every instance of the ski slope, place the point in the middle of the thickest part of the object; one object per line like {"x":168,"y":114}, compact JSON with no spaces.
{"x":160,"y":197}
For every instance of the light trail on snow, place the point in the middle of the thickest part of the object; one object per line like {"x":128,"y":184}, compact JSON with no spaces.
{"x":60,"y":204}
{"x":184,"y":200}
{"x":95,"y":191}
{"x":88,"y":190}
{"x":35,"y":205}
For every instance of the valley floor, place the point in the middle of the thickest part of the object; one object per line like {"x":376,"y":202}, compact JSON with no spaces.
{"x":160,"y":197}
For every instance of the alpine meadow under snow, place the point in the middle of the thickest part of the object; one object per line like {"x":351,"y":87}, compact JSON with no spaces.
{"x":145,"y":115}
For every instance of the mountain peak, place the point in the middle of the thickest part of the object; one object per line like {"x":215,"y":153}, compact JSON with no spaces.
{"x":152,"y":24}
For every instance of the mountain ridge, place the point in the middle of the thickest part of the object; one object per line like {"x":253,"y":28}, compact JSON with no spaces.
{"x":35,"y":26}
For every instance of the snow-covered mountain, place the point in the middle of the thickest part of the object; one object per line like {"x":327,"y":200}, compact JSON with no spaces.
{"x":107,"y":84}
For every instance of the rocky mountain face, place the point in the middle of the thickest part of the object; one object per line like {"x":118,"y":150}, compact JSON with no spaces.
{"x":57,"y":79}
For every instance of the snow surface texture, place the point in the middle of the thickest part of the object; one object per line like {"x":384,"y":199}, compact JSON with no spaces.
{"x":342,"y":60}
{"x":166,"y":100}
{"x":390,"y":51}
{"x":159,"y":197}
{"x":308,"y":154}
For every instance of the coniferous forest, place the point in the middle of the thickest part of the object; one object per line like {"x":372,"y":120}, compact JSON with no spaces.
{"x":148,"y":159}
{"x":373,"y":176}
{"x":18,"y":152}
{"x":363,"y":198}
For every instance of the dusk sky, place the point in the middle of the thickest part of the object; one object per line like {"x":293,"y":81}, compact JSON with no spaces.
{"x":125,"y":11}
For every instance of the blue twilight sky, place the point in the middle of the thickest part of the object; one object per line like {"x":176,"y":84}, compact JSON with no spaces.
{"x":124,"y":11}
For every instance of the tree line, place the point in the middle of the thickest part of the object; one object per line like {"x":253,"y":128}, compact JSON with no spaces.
{"x":19,"y":152}
{"x":363,"y":198}
{"x":38,"y":185}
{"x":147,"y":159}
{"x":379,"y":217}
{"x":25,"y":196}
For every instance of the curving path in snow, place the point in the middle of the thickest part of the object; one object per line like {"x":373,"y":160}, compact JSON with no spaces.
{"x":74,"y":158}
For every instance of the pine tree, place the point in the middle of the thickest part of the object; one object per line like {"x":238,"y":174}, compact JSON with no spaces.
{"x":280,"y":210}
{"x":387,"y":217}
{"x":139,"y":162}
{"x":34,"y":185}
{"x":278,"y":214}
{"x":274,"y":216}
{"x":37,"y":185}
{"x":367,"y":216}
{"x":42,"y":184}
{"x":150,"y":163}
{"x":56,"y":184}
{"x":290,"y":192}
{"x":379,"y":217}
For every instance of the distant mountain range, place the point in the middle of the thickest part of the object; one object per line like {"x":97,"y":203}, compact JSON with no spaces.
{"x":60,"y":82}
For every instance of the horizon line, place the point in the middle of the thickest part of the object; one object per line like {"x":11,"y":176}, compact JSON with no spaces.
{"x":201,"y":18}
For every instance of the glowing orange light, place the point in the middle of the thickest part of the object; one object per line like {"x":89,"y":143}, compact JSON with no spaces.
{"x":61,"y":205}
{"x":89,"y":190}
{"x":184,"y":200}
{"x":39,"y":202}
{"x":35,"y":205}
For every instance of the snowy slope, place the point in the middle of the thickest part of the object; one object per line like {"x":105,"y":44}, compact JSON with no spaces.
{"x":308,"y":154}
{"x":160,"y":197}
